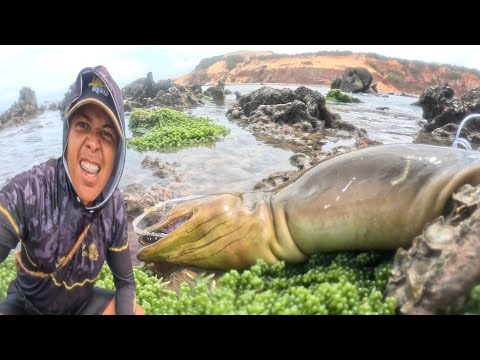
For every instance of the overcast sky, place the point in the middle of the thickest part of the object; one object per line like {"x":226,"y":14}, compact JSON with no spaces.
{"x":49,"y":70}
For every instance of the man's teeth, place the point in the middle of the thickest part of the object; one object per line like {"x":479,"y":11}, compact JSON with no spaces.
{"x":89,"y":167}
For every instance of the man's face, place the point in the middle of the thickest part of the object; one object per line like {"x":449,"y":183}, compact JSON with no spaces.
{"x":91,"y":147}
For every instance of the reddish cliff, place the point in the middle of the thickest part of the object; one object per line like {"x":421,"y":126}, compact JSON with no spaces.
{"x":390,"y":75}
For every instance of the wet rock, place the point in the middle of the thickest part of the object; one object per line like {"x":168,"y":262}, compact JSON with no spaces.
{"x":285,"y":106}
{"x":293,"y":119}
{"x":160,"y":168}
{"x":266,"y":95}
{"x":436,"y":275}
{"x":316,"y":104}
{"x":351,"y":84}
{"x":472,"y":100}
{"x":145,"y":93}
{"x":448,"y":132}
{"x":132,"y":91}
{"x":22,"y":110}
{"x":149,"y":85}
{"x":275,"y":179}
{"x":350,"y":129}
{"x":304,"y":126}
{"x":236,"y":114}
{"x":301,"y":161}
{"x":166,"y":85}
{"x":290,"y":113}
{"x":216,"y":93}
{"x":175,"y":98}
{"x":354,"y":80}
{"x":196,"y":89}
{"x":440,"y":107}
{"x":336,"y":83}
{"x":137,"y":198}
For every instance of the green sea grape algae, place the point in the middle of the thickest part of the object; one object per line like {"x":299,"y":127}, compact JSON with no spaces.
{"x":333,"y":283}
{"x":167,"y":128}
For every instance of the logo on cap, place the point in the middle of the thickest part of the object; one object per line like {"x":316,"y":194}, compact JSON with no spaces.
{"x":98,"y":86}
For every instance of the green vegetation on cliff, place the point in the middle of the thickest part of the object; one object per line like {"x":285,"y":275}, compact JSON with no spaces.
{"x":233,"y":60}
{"x":207,"y":62}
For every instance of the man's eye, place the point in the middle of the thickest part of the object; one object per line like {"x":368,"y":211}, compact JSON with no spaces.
{"x":82,"y":125}
{"x":107,"y":135}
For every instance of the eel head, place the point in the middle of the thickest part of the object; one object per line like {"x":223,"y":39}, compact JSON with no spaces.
{"x":216,"y":232}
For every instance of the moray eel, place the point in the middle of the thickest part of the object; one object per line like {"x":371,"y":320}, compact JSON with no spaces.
{"x":378,"y":198}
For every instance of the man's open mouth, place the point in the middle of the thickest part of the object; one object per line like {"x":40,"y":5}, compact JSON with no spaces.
{"x":90,"y":167}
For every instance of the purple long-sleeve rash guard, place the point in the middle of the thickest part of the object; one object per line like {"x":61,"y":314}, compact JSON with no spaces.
{"x":36,"y":209}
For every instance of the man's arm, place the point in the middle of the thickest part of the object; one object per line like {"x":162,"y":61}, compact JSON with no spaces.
{"x":11,"y":215}
{"x":120,"y":264}
{"x":119,"y":261}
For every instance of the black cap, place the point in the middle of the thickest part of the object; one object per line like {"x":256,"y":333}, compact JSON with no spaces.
{"x":94,"y":91}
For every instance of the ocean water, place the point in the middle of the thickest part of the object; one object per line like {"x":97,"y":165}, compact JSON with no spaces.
{"x":236,"y":163}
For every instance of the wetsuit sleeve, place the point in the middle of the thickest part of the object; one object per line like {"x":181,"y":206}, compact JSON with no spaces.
{"x":121,"y":266}
{"x":120,"y":263}
{"x":11,"y":213}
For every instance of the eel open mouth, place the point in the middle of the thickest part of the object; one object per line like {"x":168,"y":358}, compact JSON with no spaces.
{"x":153,"y":233}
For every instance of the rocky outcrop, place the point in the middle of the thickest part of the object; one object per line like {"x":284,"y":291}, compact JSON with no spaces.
{"x":145,"y":93}
{"x":441,"y":107}
{"x":22,"y":110}
{"x":276,"y":179}
{"x":161,"y":169}
{"x":137,"y":198}
{"x":216,"y":93}
{"x":316,"y":104}
{"x":355,"y":80}
{"x":294,"y":114}
{"x":266,"y":95}
{"x":284,"y":106}
{"x":437,"y":273}
{"x":298,"y":119}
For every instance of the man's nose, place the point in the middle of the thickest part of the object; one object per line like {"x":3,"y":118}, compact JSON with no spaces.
{"x":93,"y":140}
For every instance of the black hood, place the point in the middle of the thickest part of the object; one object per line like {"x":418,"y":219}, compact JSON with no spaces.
{"x":77,"y":92}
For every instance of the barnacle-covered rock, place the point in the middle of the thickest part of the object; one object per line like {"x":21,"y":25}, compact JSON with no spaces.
{"x":436,"y":275}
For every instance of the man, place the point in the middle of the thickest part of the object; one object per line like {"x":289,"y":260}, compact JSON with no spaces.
{"x":68,"y":214}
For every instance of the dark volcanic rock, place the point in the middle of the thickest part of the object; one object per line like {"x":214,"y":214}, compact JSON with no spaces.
{"x":438,"y":272}
{"x":22,"y":110}
{"x":145,"y":93}
{"x":355,"y":80}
